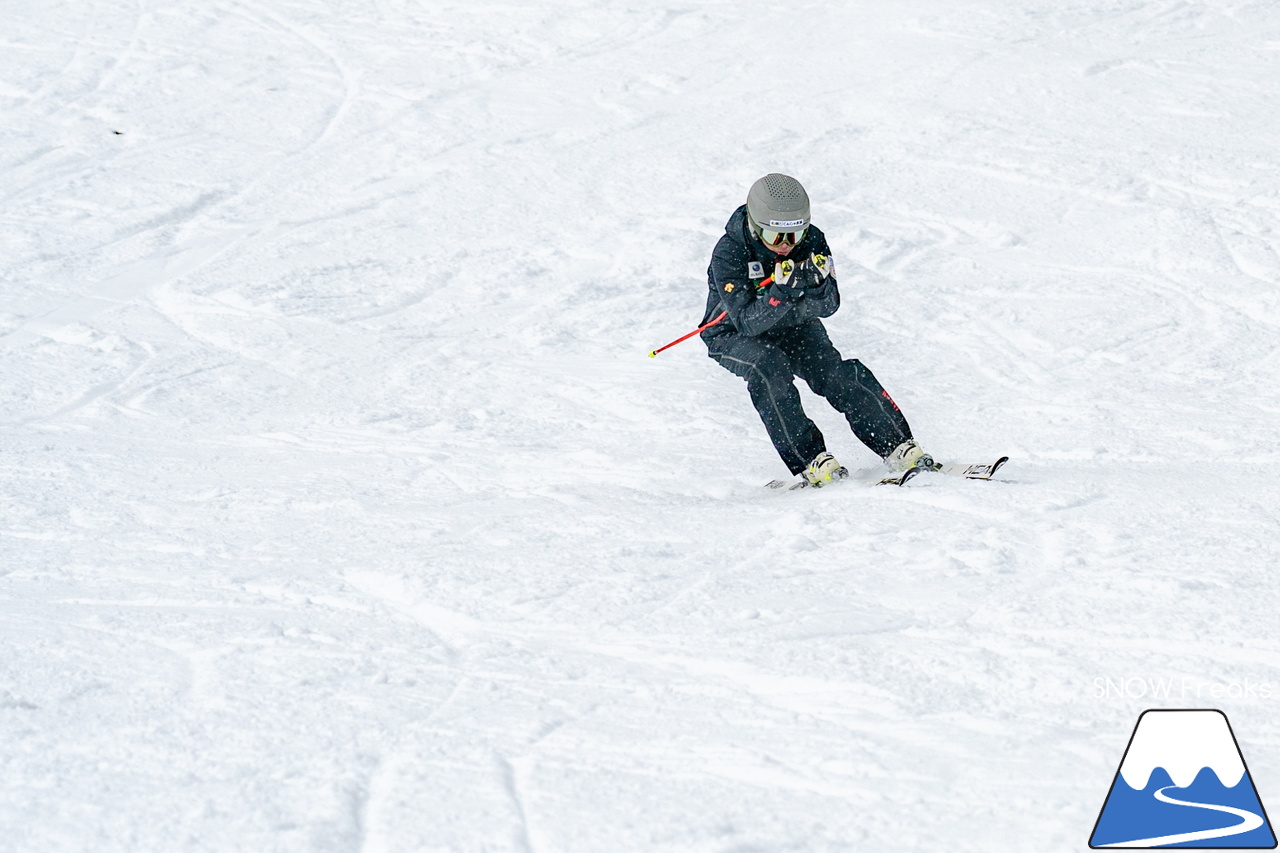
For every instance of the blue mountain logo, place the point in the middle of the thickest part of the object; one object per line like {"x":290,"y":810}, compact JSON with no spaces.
{"x":1183,"y":783}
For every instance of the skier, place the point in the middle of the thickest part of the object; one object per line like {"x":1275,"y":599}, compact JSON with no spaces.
{"x":772,"y":275}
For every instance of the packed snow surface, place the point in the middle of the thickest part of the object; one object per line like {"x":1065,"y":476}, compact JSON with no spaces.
{"x":341,"y":510}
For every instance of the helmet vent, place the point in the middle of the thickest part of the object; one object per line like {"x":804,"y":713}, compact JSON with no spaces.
{"x":783,"y":188}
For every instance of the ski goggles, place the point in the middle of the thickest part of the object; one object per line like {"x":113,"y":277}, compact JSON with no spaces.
{"x":777,"y":238}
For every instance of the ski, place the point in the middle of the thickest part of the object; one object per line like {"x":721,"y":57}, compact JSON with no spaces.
{"x":979,"y":471}
{"x":983,"y":471}
{"x":892,"y":480}
{"x":900,"y":479}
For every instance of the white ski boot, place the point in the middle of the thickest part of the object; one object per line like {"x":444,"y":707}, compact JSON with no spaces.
{"x":823,"y":469}
{"x":909,"y":455}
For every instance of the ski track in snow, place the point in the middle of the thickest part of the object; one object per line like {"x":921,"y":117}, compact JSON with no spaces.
{"x":340,"y":509}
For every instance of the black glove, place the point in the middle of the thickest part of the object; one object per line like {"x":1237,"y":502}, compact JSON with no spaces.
{"x":823,"y":264}
{"x":817,"y":297}
{"x":794,"y":279}
{"x":807,"y":276}
{"x":786,"y":294}
{"x":789,"y":280}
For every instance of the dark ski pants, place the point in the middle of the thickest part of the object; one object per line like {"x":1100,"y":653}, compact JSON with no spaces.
{"x":771,"y":362}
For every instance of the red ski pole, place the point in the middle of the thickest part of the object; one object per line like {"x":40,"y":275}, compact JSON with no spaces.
{"x":654,"y":353}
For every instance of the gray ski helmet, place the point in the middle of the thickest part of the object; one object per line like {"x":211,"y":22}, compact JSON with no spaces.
{"x":779,"y":203}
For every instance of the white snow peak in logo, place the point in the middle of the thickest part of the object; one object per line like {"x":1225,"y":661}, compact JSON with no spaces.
{"x":1183,"y":783}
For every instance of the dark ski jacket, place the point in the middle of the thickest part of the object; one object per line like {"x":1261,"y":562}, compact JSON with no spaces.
{"x":739,"y":261}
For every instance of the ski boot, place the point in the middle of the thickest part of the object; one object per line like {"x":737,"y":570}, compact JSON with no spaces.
{"x":823,"y":469}
{"x":909,"y":455}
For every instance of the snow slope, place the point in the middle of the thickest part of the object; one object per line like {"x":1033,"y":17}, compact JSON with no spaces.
{"x":340,"y":509}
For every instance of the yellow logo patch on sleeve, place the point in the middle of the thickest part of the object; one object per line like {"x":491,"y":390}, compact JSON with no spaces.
{"x":728,"y":287}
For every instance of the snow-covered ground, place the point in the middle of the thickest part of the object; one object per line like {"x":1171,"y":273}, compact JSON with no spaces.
{"x":341,"y":510}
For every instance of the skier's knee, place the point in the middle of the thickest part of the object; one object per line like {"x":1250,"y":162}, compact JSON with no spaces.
{"x":773,"y":366}
{"x":769,"y":383}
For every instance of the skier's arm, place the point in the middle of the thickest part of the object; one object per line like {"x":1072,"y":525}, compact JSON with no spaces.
{"x":822,"y":297}
{"x":821,"y":301}
{"x":752,"y":312}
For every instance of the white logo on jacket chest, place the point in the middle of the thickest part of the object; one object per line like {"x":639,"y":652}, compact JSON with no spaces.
{"x":755,"y":269}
